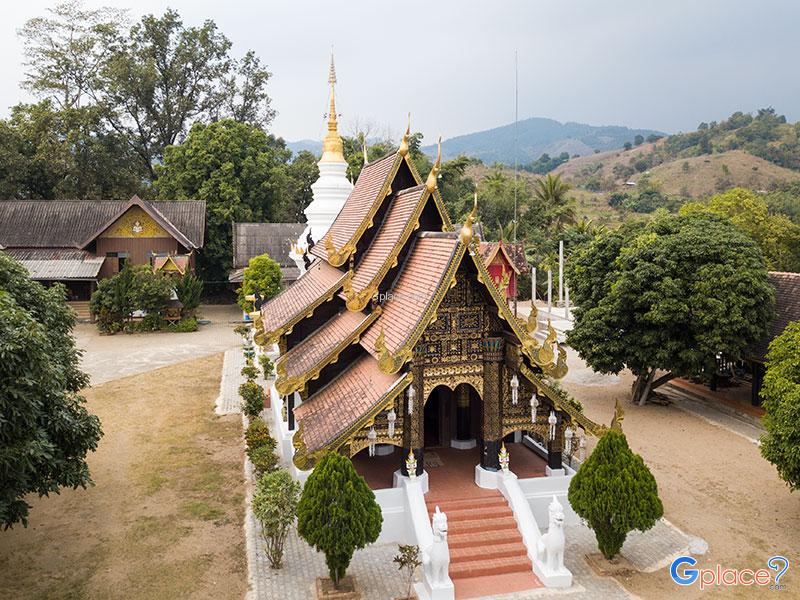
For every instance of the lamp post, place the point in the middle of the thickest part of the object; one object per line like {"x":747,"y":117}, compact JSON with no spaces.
{"x":514,"y":389}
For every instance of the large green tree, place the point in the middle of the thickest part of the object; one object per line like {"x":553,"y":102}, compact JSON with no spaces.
{"x":776,"y":234}
{"x":668,"y":296}
{"x":781,"y":395}
{"x":151,"y":81}
{"x":45,"y":430}
{"x":615,"y":493}
{"x":243,"y":174}
{"x":48,"y":153}
{"x":337,"y":513}
{"x":66,"y":49}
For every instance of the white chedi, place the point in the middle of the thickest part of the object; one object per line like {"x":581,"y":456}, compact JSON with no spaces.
{"x":332,"y":188}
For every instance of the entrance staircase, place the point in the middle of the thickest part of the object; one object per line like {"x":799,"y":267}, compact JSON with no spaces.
{"x":483,"y":537}
{"x":81,"y":310}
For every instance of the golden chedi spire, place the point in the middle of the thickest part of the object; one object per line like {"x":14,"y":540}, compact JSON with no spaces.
{"x":403,"y":150}
{"x":332,"y":146}
{"x":433,"y":176}
{"x":466,"y":233}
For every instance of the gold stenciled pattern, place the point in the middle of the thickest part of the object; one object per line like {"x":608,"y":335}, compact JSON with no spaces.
{"x":135,"y":223}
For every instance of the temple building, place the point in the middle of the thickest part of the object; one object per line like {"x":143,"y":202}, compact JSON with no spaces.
{"x":79,"y":242}
{"x":275,"y":239}
{"x":399,"y":335}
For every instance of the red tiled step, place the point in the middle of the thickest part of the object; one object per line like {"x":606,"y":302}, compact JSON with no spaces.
{"x":470,"y":553}
{"x":476,"y":512}
{"x":477,"y":524}
{"x":448,"y":505}
{"x":480,"y":539}
{"x":489,"y":566}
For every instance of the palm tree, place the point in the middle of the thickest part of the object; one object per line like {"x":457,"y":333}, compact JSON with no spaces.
{"x":551,"y":190}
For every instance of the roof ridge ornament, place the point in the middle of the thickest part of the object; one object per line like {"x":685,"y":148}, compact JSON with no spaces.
{"x":619,"y":416}
{"x":466,"y":234}
{"x":403,"y":150}
{"x":432,"y":182}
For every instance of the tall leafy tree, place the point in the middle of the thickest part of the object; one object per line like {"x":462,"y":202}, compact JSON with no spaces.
{"x":781,"y":394}
{"x":66,"y":50}
{"x":242,"y":173}
{"x":46,"y":431}
{"x":152,"y":80}
{"x":668,"y":296}
{"x":776,"y":234}
{"x":337,"y":513}
{"x":48,"y":153}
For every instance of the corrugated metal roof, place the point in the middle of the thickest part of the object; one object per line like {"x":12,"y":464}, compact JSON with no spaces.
{"x":68,"y":223}
{"x":275,"y":239}
{"x":58,"y":270}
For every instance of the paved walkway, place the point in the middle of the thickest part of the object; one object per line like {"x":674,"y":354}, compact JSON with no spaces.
{"x":108,"y":357}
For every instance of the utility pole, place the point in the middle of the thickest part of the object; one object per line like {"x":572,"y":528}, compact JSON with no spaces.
{"x":561,"y":272}
{"x":516,"y":118}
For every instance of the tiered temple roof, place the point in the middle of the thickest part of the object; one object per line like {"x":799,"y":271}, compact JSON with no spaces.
{"x":348,"y":326}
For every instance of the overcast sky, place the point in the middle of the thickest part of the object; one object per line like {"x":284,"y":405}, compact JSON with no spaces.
{"x":664,"y":65}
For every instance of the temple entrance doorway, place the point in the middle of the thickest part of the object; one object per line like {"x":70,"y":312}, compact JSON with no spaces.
{"x":452,"y":429}
{"x":453,"y":418}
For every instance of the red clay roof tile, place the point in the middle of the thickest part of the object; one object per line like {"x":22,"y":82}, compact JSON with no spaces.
{"x":291,"y":304}
{"x":340,"y":404}
{"x":320,"y":344}
{"x":413,"y":292}
{"x":400,"y":211}
{"x":358,"y":207}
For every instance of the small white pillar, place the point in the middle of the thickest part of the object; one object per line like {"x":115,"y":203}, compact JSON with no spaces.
{"x":561,"y":272}
{"x":533,"y":287}
{"x":549,"y":292}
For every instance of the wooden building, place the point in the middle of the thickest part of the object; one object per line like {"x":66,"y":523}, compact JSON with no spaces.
{"x":79,"y":242}
{"x":399,"y":335}
{"x":275,"y":239}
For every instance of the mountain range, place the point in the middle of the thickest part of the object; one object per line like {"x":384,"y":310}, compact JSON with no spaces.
{"x":536,"y":136}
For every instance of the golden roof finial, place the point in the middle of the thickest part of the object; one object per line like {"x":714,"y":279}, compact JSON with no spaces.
{"x":433,"y":176}
{"x":465,"y":236}
{"x":332,"y":146}
{"x":403,"y":150}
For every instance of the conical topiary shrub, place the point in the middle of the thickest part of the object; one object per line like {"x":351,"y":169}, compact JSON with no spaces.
{"x":615,"y":493}
{"x":337,"y":513}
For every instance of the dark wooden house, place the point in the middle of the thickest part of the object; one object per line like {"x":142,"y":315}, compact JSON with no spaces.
{"x":79,"y":242}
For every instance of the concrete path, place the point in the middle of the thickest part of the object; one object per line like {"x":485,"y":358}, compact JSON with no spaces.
{"x":108,"y":357}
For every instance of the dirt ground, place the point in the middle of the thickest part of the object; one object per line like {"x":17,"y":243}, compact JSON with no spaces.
{"x":164,"y":519}
{"x":110,"y":357}
{"x":714,"y":484}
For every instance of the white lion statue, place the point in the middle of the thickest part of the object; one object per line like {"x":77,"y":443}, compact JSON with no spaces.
{"x":551,"y":544}
{"x":436,"y":557}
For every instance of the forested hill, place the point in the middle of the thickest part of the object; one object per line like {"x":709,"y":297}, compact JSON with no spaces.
{"x":537,"y":136}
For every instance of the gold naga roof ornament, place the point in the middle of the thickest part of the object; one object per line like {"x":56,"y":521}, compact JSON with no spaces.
{"x":332,"y":145}
{"x":547,"y":352}
{"x":364,"y":148}
{"x":619,"y":416}
{"x":390,"y":363}
{"x":403,"y":150}
{"x":466,"y":234}
{"x":432,"y":182}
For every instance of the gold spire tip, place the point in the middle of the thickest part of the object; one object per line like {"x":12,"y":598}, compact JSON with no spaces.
{"x":332,"y":145}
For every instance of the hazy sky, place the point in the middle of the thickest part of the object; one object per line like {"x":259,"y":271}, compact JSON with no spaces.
{"x":663,"y":65}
